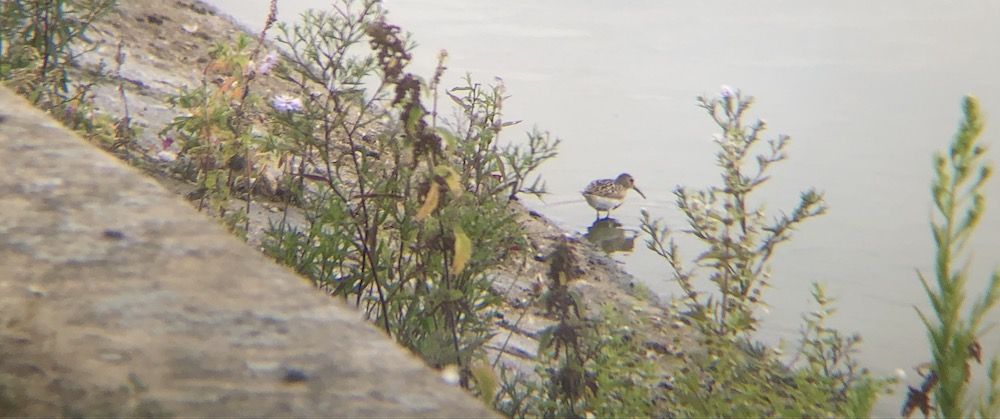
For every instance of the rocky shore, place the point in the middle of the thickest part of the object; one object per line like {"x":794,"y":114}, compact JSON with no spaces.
{"x":166,"y":45}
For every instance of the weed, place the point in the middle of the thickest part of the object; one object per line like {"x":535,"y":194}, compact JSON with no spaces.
{"x":739,"y":244}
{"x":588,"y":365}
{"x":40,"y":41}
{"x":957,"y":193}
{"x":739,"y":241}
{"x":406,"y":218}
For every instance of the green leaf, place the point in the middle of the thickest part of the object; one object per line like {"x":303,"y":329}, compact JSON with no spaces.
{"x":449,"y":138}
{"x":412,"y":121}
{"x":486,"y":381}
{"x":210,"y":181}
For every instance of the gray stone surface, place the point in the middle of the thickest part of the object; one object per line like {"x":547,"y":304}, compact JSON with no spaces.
{"x":103,"y":274}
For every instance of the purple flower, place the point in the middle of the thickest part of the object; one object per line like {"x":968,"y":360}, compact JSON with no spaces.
{"x":269,"y":63}
{"x":726,"y":92}
{"x":286,"y":103}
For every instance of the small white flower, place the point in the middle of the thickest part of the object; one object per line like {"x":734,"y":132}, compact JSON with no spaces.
{"x":726,"y":92}
{"x":284,"y":103}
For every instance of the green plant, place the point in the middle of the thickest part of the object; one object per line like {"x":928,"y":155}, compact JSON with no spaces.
{"x":739,"y":379}
{"x":518,"y":395}
{"x":734,"y":376}
{"x":739,"y":242}
{"x":624,"y":376}
{"x":588,"y":365}
{"x":827,"y":359}
{"x":404,"y":217}
{"x":491,"y":167}
{"x":214,"y":135}
{"x":568,"y":384}
{"x":641,"y":291}
{"x":40,"y":41}
{"x":954,"y":339}
{"x":205,"y":134}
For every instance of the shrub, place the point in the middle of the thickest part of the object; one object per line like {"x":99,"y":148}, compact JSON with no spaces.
{"x":406,"y":217}
{"x":589,"y":364}
{"x":739,"y":242}
{"x":734,"y":376}
{"x":40,"y":41}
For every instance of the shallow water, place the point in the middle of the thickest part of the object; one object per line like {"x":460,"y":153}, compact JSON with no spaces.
{"x":867,"y":90}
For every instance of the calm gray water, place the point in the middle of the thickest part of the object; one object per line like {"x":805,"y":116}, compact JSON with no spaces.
{"x":867,"y":90}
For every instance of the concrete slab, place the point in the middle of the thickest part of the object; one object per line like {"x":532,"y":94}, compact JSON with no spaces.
{"x":105,"y":275}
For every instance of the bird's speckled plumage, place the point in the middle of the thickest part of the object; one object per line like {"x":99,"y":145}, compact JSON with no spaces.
{"x":608,"y":194}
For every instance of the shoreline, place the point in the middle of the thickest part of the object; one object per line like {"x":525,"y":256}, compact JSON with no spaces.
{"x":163,"y":54}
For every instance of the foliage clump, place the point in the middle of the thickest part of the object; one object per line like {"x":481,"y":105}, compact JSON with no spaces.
{"x":735,"y":375}
{"x":589,"y":364}
{"x":406,"y":216}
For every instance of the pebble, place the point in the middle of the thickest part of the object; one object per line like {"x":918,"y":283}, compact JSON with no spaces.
{"x":295,"y":375}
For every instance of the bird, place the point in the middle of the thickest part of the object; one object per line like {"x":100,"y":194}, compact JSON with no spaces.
{"x":608,"y":194}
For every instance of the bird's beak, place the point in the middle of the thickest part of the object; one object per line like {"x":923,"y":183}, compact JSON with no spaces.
{"x":640,"y":192}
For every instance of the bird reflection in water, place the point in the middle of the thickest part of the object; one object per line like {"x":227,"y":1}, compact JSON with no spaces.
{"x":607,"y":233}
